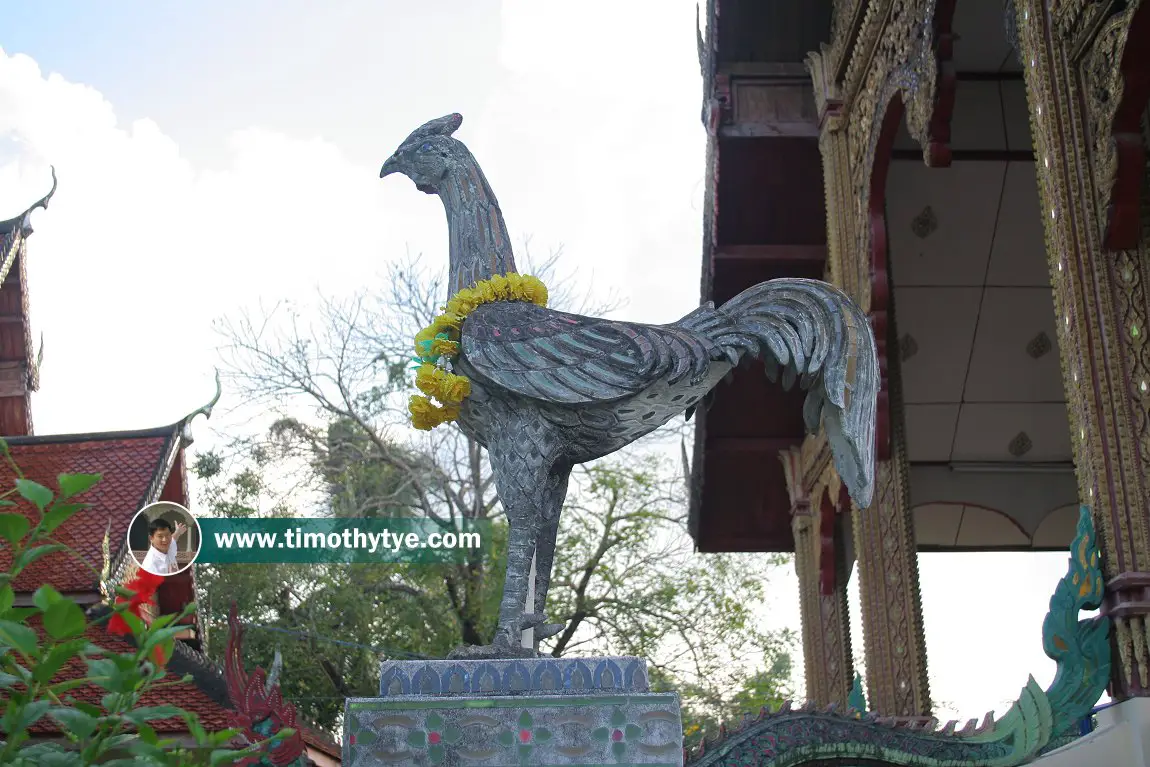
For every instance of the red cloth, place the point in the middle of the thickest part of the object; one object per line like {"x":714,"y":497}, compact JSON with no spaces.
{"x":144,"y":585}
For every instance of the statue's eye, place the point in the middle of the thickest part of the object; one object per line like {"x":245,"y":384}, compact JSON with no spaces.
{"x":425,"y":148}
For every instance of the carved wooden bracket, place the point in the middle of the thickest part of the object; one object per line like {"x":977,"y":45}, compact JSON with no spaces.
{"x":1127,"y":150}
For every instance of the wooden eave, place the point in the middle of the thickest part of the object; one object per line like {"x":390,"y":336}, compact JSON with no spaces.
{"x":764,"y":218}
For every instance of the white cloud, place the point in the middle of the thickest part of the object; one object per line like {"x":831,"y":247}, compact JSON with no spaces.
{"x":139,"y":251}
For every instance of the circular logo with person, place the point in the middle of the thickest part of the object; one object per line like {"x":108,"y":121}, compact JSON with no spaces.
{"x":165,"y":538}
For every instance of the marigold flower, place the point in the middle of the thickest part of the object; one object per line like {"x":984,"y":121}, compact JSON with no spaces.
{"x":441,"y":338}
{"x":444,"y":347}
{"x":424,"y":415}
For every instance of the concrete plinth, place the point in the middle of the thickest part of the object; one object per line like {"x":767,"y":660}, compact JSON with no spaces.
{"x":505,"y":713}
{"x":1121,"y":739}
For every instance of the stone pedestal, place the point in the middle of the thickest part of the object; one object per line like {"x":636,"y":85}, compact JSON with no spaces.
{"x":1121,"y":739}
{"x":505,"y":713}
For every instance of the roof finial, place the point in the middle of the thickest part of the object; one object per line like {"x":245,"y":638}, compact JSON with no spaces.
{"x":206,"y":411}
{"x":24,"y":220}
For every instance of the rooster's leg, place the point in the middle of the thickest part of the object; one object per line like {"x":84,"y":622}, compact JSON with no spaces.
{"x":520,"y":548}
{"x":545,"y":548}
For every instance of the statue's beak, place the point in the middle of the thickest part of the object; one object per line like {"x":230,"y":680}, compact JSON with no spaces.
{"x":390,"y":165}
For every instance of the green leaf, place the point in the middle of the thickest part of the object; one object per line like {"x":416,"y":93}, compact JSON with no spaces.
{"x":194,"y":726}
{"x":62,"y":687}
{"x":46,"y":596}
{"x":58,"y":515}
{"x":161,"y":636}
{"x":434,"y":721}
{"x":632,"y":731}
{"x":151,"y":713}
{"x":525,"y":719}
{"x":64,"y":619}
{"x":542,"y":734}
{"x":600,"y":733}
{"x":13,"y":527}
{"x":112,"y":701}
{"x":74,"y":484}
{"x":88,"y":708}
{"x":28,"y":556}
{"x":74,"y":721}
{"x":222,"y":758}
{"x":21,"y":637}
{"x":506,"y":738}
{"x":55,"y":658}
{"x":617,"y":718}
{"x":49,"y":755}
{"x":436,"y":753}
{"x":135,"y":623}
{"x":21,"y":614}
{"x":34,"y":492}
{"x":147,"y":734}
{"x":7,"y":597}
{"x":416,"y":739}
{"x":19,"y":718}
{"x":451,"y":735}
{"x":7,"y":680}
{"x":619,"y":748}
{"x":150,"y":751}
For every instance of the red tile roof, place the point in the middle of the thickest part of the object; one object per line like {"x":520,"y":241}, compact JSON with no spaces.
{"x":320,"y":741}
{"x":128,"y":462}
{"x":190,"y":696}
{"x":186,"y":695}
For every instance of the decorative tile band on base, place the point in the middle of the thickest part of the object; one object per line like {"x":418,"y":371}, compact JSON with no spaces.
{"x":643,"y":729}
{"x":528,"y":676}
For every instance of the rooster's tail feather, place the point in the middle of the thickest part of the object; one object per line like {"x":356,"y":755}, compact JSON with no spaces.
{"x":810,"y":331}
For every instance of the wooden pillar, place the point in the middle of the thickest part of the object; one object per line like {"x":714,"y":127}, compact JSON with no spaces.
{"x":893,"y":638}
{"x":822,"y":589}
{"x":1087,"y":69}
{"x":862,"y":91}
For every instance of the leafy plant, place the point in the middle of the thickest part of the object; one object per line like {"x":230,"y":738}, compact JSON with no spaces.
{"x":120,"y":730}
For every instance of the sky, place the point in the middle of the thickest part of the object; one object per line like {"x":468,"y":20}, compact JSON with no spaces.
{"x":220,"y":156}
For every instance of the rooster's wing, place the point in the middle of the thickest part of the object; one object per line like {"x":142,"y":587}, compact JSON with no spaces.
{"x":563,"y":358}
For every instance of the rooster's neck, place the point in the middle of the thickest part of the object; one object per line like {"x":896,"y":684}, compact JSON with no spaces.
{"x":480,"y":247}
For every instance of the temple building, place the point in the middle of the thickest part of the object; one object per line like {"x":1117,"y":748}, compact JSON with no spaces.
{"x":137,"y":468}
{"x":973,"y":174}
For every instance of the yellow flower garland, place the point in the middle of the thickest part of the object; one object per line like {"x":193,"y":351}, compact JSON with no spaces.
{"x":439,"y":342}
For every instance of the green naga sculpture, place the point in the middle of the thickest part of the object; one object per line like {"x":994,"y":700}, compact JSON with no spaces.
{"x":1038,"y":722}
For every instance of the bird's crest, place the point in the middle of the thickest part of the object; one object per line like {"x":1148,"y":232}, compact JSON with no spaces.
{"x":440,"y":126}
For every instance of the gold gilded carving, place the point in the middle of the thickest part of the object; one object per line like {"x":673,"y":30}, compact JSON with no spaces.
{"x":1103,"y":85}
{"x":895,"y":54}
{"x":895,"y":644}
{"x":825,"y":620}
{"x":1076,"y":19}
{"x":846,"y":16}
{"x":1100,"y":297}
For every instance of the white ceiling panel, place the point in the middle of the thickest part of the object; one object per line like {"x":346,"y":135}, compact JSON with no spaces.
{"x":940,"y":221}
{"x":937,"y":324}
{"x":985,"y":528}
{"x":936,"y":524}
{"x":977,"y":121}
{"x":1016,"y":114}
{"x":1015,"y":355}
{"x":930,"y":431}
{"x":1057,"y":530}
{"x":1019,"y":253}
{"x":1034,"y":432}
{"x":982,"y":45}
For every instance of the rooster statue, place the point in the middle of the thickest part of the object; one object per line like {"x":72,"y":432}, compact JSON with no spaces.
{"x":548,"y":390}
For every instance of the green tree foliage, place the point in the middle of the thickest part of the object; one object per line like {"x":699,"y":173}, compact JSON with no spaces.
{"x":119,"y":731}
